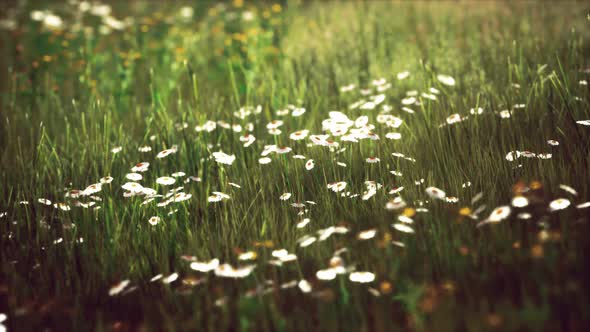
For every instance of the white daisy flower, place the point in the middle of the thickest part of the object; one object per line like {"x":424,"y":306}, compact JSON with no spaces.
{"x":283,"y":255}
{"x":100,"y":10}
{"x":154,"y":220}
{"x":303,"y":223}
{"x":409,"y":101}
{"x":217,"y":197}
{"x":37,"y":15}
{"x":92,"y":189}
{"x":498,"y":214}
{"x":453,"y":118}
{"x":428,"y":96}
{"x":62,"y":206}
{"x":512,"y":155}
{"x":106,"y":180}
{"x":44,"y":201}
{"x":228,"y":271}
{"x":337,"y":186}
{"x":327,"y":274}
{"x":395,"y":204}
{"x":194,"y":178}
{"x":476,"y":111}
{"x":170,"y":279}
{"x":559,"y":204}
{"x":133,"y":187}
{"x":140,"y":167}
{"x":165,"y":180}
{"x":403,"y":228}
{"x":520,"y":201}
{"x":505,"y":114}
{"x":435,"y":193}
{"x":224,"y":124}
{"x":396,"y":190}
{"x":299,"y":135}
{"x":361,"y":277}
{"x":134,"y":176}
{"x":361,"y":121}
{"x":369,"y":193}
{"x":306,"y":241}
{"x":408,"y":110}
{"x":208,"y":126}
{"x":366,"y":235}
{"x":268,"y":149}
{"x":274,"y":131}
{"x":118,"y":288}
{"x":304,"y":286}
{"x":283,"y":150}
{"x":405,"y":219}
{"x":347,"y":88}
{"x":568,"y":189}
{"x":274,"y":124}
{"x":445,"y":79}
{"x":165,"y":153}
{"x":223,"y":158}
{"x":52,"y":21}
{"x":394,"y":122}
{"x":524,"y":216}
{"x":394,"y":136}
{"x":403,"y":75}
{"x":248,"y":256}
{"x":247,"y":139}
{"x":298,"y":111}
{"x":205,"y":266}
{"x":236,"y":128}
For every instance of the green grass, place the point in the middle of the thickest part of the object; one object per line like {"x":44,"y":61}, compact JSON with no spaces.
{"x":69,"y":96}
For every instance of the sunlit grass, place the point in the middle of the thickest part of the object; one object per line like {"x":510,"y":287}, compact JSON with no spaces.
{"x":337,"y":166}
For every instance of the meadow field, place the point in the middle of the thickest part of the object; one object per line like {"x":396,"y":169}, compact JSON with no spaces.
{"x":294,"y":166}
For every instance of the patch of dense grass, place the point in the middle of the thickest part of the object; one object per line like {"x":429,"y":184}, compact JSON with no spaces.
{"x":72,"y":92}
